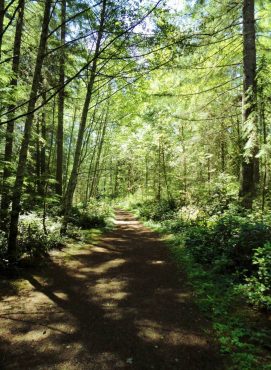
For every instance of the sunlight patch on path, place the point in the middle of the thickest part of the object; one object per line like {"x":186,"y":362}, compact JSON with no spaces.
{"x":152,"y":331}
{"x":124,"y":222}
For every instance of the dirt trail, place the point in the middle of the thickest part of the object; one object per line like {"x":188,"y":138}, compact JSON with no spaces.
{"x":119,"y":304}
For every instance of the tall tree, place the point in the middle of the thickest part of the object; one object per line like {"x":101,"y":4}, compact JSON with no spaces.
{"x":18,"y":186}
{"x":61,"y":98}
{"x":10,"y":125}
{"x":76,"y":162}
{"x":2,"y":14}
{"x":250,"y":168}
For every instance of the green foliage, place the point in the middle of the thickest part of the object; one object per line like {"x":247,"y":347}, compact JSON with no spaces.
{"x":34,"y":240}
{"x":95,"y":214}
{"x":222,"y":194}
{"x":258,"y":286}
{"x":238,"y":338}
{"x":157,"y":211}
{"x":227,"y":242}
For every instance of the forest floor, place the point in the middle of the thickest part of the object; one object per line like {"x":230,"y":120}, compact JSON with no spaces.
{"x":116,"y":303}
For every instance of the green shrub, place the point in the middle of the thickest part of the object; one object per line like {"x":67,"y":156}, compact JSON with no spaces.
{"x":228,"y":241}
{"x":200,"y":242}
{"x":225,"y":242}
{"x":157,"y":211}
{"x":258,"y":286}
{"x":220,"y":200}
{"x":95,"y":214}
{"x":219,"y":195}
{"x":33,"y":240}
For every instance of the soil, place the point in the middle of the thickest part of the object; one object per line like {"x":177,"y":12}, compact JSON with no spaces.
{"x":120,"y":303}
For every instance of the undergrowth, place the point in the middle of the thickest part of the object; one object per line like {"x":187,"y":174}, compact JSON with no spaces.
{"x":38,"y":235}
{"x":94,"y":214}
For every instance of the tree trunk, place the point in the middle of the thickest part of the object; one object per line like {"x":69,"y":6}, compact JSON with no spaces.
{"x":69,"y":149}
{"x":158,"y":195}
{"x":146,"y":176}
{"x":89,"y":175}
{"x":249,"y":168}
{"x":38,"y":164}
{"x":43,"y":149}
{"x":223,"y":147}
{"x":10,"y":126}
{"x":61,"y":98}
{"x":184,"y":159}
{"x":169,"y":196}
{"x":263,"y":125}
{"x":97,"y":162}
{"x":17,"y":190}
{"x":67,"y":202}
{"x":2,"y":14}
{"x":50,"y":148}
{"x":116,"y":184}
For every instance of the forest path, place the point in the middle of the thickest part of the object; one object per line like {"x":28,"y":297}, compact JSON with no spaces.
{"x":117,"y":304}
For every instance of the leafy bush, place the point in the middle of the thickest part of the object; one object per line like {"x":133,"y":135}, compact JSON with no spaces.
{"x":33,"y":239}
{"x":220,"y":194}
{"x":225,"y":241}
{"x":228,"y":242}
{"x":185,"y":218}
{"x":157,"y":211}
{"x":258,"y":286}
{"x":95,"y":214}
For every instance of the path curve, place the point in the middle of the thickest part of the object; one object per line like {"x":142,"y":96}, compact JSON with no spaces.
{"x":119,"y":304}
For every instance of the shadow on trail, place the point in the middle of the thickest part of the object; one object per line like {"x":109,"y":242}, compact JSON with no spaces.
{"x":117,"y":305}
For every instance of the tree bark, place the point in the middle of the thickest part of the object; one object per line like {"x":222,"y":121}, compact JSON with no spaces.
{"x":97,"y":162}
{"x":169,"y":196}
{"x":43,"y":149}
{"x":61,"y":99}
{"x":158,"y":195}
{"x":262,"y":121}
{"x":249,"y":168}
{"x":116,"y":184}
{"x":87,"y":196}
{"x":184,"y":159}
{"x":2,"y":14}
{"x":5,"y":201}
{"x":38,"y":164}
{"x":52,"y":133}
{"x":18,"y":186}
{"x":146,"y":176}
{"x":69,"y":148}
